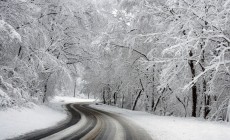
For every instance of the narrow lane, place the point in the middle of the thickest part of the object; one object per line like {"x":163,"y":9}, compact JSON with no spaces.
{"x":88,"y":123}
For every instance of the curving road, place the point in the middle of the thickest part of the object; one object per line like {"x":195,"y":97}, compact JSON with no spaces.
{"x":88,"y":123}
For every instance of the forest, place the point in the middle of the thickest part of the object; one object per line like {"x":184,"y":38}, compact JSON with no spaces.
{"x":166,"y":57}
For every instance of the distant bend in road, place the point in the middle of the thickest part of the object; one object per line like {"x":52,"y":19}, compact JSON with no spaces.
{"x":88,"y":123}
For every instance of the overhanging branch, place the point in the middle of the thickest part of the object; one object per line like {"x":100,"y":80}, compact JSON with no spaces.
{"x":138,"y":52}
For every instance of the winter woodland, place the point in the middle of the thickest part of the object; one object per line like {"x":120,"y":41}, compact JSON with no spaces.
{"x":167,"y":57}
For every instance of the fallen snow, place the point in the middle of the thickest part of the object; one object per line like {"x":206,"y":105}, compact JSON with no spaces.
{"x":15,"y":122}
{"x":18,"y":121}
{"x":65,"y":100}
{"x":173,"y":128}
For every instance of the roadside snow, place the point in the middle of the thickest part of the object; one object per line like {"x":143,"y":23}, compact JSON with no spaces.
{"x":18,"y":121}
{"x":15,"y":122}
{"x":173,"y":128}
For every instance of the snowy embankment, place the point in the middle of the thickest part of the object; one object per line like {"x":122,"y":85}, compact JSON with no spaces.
{"x":15,"y":122}
{"x":173,"y":128}
{"x":18,"y":121}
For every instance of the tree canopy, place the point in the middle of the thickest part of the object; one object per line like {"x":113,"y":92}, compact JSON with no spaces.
{"x":168,"y":57}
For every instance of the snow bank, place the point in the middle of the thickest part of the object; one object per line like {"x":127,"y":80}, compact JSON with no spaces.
{"x":15,"y":122}
{"x":173,"y":128}
{"x":4,"y":99}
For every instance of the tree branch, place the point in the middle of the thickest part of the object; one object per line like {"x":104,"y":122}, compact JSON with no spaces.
{"x":138,"y":52}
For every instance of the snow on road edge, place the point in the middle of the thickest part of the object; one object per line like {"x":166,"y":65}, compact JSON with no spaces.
{"x":173,"y":128}
{"x":18,"y":121}
{"x":15,"y":122}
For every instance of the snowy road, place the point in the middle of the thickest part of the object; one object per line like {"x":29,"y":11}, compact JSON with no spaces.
{"x":88,"y":123}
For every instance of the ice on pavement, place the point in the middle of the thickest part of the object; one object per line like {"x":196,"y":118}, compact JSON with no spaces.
{"x":173,"y":128}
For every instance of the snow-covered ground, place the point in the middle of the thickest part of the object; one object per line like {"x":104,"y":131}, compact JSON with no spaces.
{"x":18,"y":121}
{"x":173,"y":128}
{"x":62,"y":100}
{"x":14,"y":122}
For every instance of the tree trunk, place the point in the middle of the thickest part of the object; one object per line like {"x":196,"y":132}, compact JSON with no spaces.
{"x":109,"y":95}
{"x":138,"y":96}
{"x":136,"y":99}
{"x":115,"y":98}
{"x":194,"y":92}
{"x":45,"y":89}
{"x":228,"y":113}
{"x":153,"y":103}
{"x":157,"y":102}
{"x":103,"y":97}
{"x":184,"y":105}
{"x":74,"y":89}
{"x":122,"y":101}
{"x":154,"y":106}
{"x":207,"y":100}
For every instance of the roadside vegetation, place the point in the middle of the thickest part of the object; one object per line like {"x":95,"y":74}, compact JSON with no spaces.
{"x":167,"y":57}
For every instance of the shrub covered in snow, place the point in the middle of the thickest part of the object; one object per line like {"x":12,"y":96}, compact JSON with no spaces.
{"x":5,"y":100}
